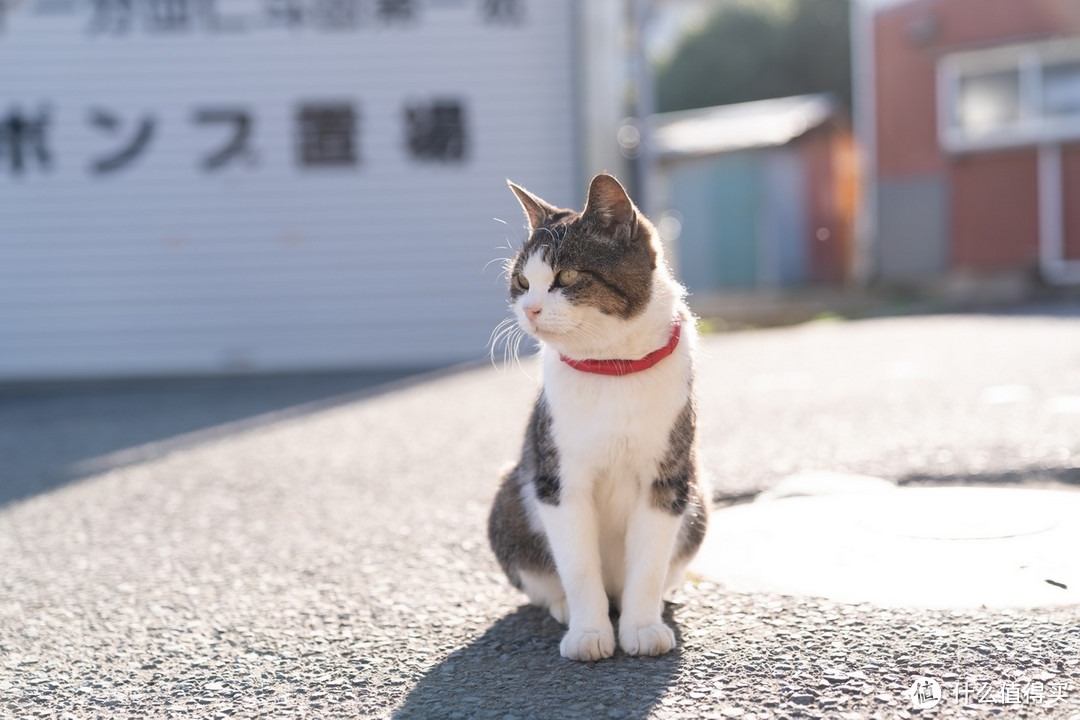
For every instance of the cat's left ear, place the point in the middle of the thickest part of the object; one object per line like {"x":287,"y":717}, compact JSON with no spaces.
{"x":537,"y":211}
{"x":608,"y":200}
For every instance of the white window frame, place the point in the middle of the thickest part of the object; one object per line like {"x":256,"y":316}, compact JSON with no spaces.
{"x":1034,"y":127}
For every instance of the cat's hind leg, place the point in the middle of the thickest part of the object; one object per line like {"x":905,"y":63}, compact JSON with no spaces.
{"x":523,"y":552}
{"x":676,"y":576}
{"x":545,"y":590}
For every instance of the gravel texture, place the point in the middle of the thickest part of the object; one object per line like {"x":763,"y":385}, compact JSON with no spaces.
{"x":329,"y":560}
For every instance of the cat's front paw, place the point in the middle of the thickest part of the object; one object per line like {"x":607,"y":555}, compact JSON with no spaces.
{"x":588,"y":645}
{"x":652,"y":639}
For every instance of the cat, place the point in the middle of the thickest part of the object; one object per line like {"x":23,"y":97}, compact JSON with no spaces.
{"x":606,"y":504}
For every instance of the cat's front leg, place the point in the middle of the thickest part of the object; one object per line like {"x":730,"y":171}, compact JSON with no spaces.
{"x":571,"y":529}
{"x":650,"y":542}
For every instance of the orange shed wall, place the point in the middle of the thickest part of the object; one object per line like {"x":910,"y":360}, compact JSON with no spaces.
{"x":826,"y":155}
{"x":993,"y":207}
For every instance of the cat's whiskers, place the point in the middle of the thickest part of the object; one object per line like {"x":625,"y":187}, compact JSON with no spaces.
{"x":508,"y":349}
{"x":551,"y":247}
{"x":509,"y":334}
{"x":512,"y":251}
{"x":503,"y":334}
{"x":498,"y":331}
{"x":518,"y":337}
{"x":504,"y":260}
{"x":512,"y":335}
{"x":508,"y":268}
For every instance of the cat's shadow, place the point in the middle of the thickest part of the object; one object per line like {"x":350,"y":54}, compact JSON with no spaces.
{"x":515,"y":670}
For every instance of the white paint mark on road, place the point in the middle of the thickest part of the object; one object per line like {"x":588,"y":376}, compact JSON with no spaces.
{"x":1005,"y":394}
{"x":1064,"y":404}
{"x":905,"y":370}
{"x":942,"y":547}
{"x":794,"y":380}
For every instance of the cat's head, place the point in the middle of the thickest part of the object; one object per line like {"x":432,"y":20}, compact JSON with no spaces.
{"x":579,"y":276}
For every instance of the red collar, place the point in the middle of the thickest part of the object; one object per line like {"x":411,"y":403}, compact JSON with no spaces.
{"x":627,"y":367}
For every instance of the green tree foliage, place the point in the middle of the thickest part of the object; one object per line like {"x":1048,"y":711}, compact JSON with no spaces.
{"x":758,"y":49}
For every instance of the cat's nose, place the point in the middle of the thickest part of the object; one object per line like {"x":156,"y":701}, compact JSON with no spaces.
{"x":532,"y":311}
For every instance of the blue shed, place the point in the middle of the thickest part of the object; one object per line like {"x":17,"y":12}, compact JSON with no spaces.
{"x":757,"y":191}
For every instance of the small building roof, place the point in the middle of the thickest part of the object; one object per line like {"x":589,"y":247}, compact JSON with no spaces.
{"x":876,"y":5}
{"x":741,"y":126}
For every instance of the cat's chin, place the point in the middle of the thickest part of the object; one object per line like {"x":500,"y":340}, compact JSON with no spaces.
{"x":559,"y":341}
{"x":551,"y":337}
{"x":568,"y":341}
{"x":544,"y":334}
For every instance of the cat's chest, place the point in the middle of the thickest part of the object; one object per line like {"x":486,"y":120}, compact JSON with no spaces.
{"x":616,"y":424}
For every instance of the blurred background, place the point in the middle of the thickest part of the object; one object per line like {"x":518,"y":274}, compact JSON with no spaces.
{"x":207,"y":187}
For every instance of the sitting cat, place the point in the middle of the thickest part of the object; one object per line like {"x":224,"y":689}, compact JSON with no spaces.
{"x":605,"y":503}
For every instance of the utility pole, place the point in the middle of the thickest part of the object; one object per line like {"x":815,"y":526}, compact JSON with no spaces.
{"x":644,"y":102}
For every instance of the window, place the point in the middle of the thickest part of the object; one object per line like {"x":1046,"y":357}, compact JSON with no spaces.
{"x":988,"y":101}
{"x":1061,"y":89}
{"x":1010,"y":96}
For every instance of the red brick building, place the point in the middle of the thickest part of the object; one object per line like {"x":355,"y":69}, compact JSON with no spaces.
{"x":971,"y":125}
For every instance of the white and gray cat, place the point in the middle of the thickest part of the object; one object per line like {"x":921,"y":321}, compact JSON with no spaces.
{"x":606,"y":504}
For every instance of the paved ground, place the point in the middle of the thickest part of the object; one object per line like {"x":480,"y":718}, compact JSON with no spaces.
{"x":329,"y":560}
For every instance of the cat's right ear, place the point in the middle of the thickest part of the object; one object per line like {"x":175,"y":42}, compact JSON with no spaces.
{"x":537,"y":212}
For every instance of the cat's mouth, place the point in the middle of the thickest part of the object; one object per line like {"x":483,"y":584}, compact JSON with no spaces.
{"x":544,"y":331}
{"x":549,"y":327}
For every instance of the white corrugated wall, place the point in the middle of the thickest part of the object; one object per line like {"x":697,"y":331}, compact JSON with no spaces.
{"x":162,"y":266}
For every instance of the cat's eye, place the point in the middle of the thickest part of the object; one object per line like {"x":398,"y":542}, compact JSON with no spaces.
{"x":566,"y":277}
{"x":523,"y":282}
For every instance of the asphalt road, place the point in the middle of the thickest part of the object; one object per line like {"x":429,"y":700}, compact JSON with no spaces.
{"x":263,"y":558}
